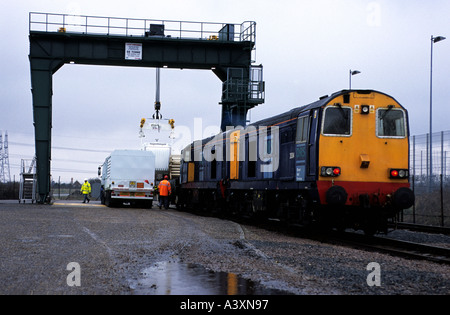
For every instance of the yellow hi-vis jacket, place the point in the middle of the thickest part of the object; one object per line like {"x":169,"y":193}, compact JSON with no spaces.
{"x":86,"y":188}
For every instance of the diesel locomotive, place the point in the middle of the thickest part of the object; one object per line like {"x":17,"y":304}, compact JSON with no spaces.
{"x":340,"y":162}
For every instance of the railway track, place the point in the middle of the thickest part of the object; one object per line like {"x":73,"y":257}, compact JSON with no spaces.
{"x":411,"y":250}
{"x":421,"y":228}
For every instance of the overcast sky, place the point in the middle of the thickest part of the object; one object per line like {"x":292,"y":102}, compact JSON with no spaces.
{"x":306,"y":48}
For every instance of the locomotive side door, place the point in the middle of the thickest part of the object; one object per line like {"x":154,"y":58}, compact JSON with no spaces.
{"x":312,"y":143}
{"x":301,"y":147}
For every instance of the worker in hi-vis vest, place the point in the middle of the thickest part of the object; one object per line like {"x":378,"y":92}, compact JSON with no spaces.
{"x":86,"y":190}
{"x":165,"y":190}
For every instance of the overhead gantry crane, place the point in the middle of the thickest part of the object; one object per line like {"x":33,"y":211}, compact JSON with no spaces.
{"x":56,"y":39}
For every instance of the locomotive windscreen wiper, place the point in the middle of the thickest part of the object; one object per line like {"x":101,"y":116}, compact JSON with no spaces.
{"x":342,"y":111}
{"x":386,"y":112}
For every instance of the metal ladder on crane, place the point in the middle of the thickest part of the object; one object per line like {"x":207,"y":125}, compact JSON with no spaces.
{"x":28,"y":182}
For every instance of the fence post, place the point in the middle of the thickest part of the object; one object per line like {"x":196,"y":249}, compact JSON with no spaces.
{"x":414,"y":176}
{"x":442,"y":178}
{"x":427,"y":160}
{"x":442,"y":152}
{"x":442,"y":201}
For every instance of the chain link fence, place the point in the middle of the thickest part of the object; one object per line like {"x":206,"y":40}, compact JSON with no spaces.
{"x":59,"y":191}
{"x":9,"y":190}
{"x":72,"y":191}
{"x":430,"y":180}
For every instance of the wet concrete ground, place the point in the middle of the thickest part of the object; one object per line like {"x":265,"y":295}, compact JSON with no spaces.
{"x":75,"y":248}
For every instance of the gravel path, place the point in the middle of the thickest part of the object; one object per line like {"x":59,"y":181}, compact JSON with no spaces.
{"x":116,"y":247}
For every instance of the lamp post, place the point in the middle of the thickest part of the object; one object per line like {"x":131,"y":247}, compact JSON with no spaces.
{"x":433,"y":41}
{"x":352,"y":73}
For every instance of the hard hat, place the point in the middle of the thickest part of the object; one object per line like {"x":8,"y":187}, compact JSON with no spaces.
{"x":166,"y":177}
{"x":85,"y":179}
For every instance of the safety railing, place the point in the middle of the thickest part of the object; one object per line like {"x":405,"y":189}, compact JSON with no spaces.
{"x":97,"y":25}
{"x":240,"y":89}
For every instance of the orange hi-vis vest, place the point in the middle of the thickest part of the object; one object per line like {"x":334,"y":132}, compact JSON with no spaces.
{"x":164,"y":188}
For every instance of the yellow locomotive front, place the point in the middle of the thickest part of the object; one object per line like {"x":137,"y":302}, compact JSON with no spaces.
{"x":364,"y":154}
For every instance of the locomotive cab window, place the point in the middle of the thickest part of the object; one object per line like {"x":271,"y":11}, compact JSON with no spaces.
{"x":391,"y":123}
{"x":337,"y":121}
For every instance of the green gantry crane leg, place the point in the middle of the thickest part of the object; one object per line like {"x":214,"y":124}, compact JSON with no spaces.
{"x":41,"y":87}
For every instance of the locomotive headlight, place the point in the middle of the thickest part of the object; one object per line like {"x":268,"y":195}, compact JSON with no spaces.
{"x":330,"y":171}
{"x":395,"y":173}
{"x":365,"y":109}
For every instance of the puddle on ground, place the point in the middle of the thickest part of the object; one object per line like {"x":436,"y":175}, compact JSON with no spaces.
{"x":175,"y":278}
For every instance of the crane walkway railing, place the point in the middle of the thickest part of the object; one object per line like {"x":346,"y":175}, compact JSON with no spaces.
{"x":114,"y":26}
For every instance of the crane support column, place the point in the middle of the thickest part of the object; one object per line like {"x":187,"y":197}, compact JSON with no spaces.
{"x":41,"y":88}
